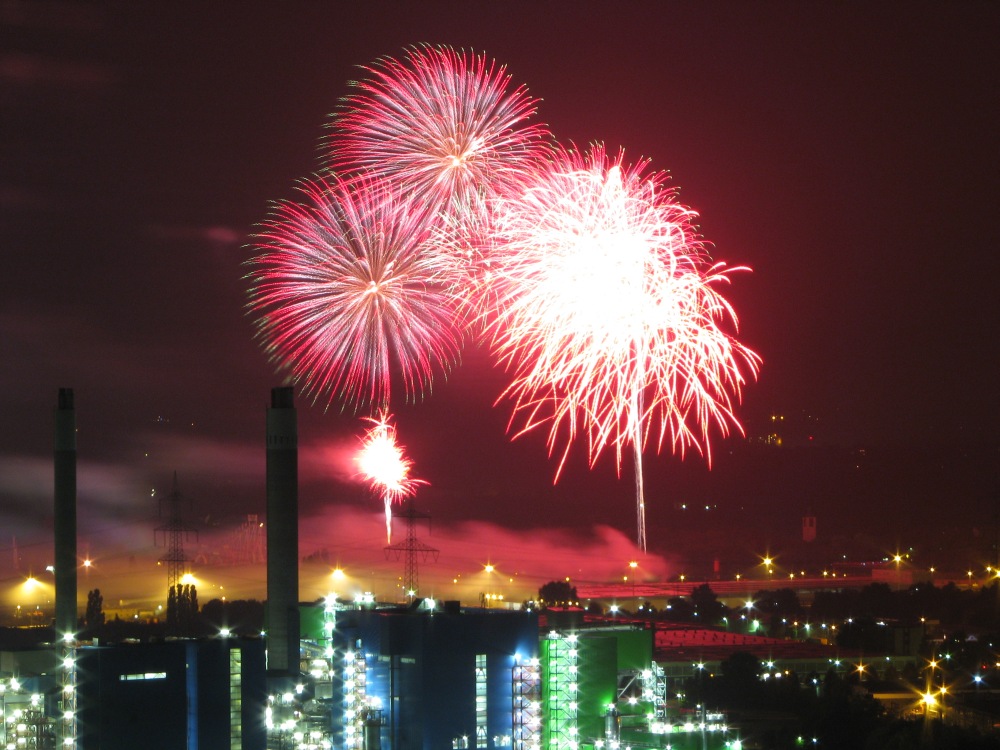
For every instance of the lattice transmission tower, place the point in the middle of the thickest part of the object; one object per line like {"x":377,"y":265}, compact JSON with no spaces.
{"x":411,"y":548}
{"x":172,"y":535}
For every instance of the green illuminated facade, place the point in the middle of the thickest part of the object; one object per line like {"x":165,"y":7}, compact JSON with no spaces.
{"x":601,"y":690}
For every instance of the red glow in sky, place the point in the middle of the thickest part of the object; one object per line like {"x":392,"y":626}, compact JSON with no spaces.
{"x":845,"y":153}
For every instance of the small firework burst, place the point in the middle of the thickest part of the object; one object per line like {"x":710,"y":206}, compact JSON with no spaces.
{"x":385,"y":466}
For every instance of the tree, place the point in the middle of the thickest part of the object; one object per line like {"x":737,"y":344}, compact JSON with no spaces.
{"x":680,"y":609}
{"x":172,"y":607}
{"x":706,"y":605}
{"x":182,"y":607}
{"x":742,"y":669}
{"x":779,"y":602}
{"x":94,"y":616}
{"x":557,"y":592}
{"x":741,"y":679}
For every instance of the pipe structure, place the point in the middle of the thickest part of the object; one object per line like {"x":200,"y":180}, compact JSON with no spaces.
{"x":64,"y":510}
{"x":282,"y":612}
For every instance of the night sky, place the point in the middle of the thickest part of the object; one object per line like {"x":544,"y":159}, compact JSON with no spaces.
{"x":847,"y":152}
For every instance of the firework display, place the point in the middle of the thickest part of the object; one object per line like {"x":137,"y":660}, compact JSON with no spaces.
{"x":385,"y":466}
{"x":443,"y":207}
{"x":349,"y":290}
{"x":445,"y":126}
{"x":606,"y":312}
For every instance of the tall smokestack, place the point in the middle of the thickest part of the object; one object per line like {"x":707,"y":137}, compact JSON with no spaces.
{"x":65,"y":514}
{"x":282,"y":622}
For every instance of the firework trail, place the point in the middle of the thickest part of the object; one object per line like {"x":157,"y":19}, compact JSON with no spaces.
{"x":604,"y":308}
{"x":349,"y":288}
{"x":385,"y":466}
{"x":446,"y":128}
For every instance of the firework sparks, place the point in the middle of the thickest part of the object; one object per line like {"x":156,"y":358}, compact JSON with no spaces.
{"x":350,"y":288}
{"x":443,"y":126}
{"x":384,"y":465}
{"x":605,"y":310}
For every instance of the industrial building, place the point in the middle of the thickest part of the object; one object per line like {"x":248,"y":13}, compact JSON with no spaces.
{"x":427,"y":677}
{"x":204,"y":694}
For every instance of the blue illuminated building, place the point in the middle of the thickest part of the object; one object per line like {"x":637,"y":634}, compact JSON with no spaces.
{"x":421,"y":677}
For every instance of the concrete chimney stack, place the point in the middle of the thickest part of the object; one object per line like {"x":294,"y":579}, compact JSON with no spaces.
{"x":282,"y":613}
{"x":65,"y":514}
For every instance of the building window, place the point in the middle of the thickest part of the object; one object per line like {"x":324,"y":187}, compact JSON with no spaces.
{"x":481,"y":735}
{"x":235,"y":699}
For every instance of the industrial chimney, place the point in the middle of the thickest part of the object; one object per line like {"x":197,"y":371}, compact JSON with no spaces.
{"x":65,"y":514}
{"x":282,"y":613}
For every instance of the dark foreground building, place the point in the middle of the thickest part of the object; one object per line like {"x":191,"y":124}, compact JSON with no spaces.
{"x":175,"y":695}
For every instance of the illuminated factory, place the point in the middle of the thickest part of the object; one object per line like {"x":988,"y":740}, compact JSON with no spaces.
{"x":352,"y":676}
{"x":436,"y":675}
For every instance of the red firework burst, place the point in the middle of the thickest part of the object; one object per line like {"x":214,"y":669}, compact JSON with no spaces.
{"x":444,"y":126}
{"x":604,"y":307}
{"x":349,"y":289}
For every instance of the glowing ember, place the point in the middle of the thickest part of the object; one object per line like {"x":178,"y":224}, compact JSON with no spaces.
{"x":385,"y":466}
{"x":604,"y":308}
